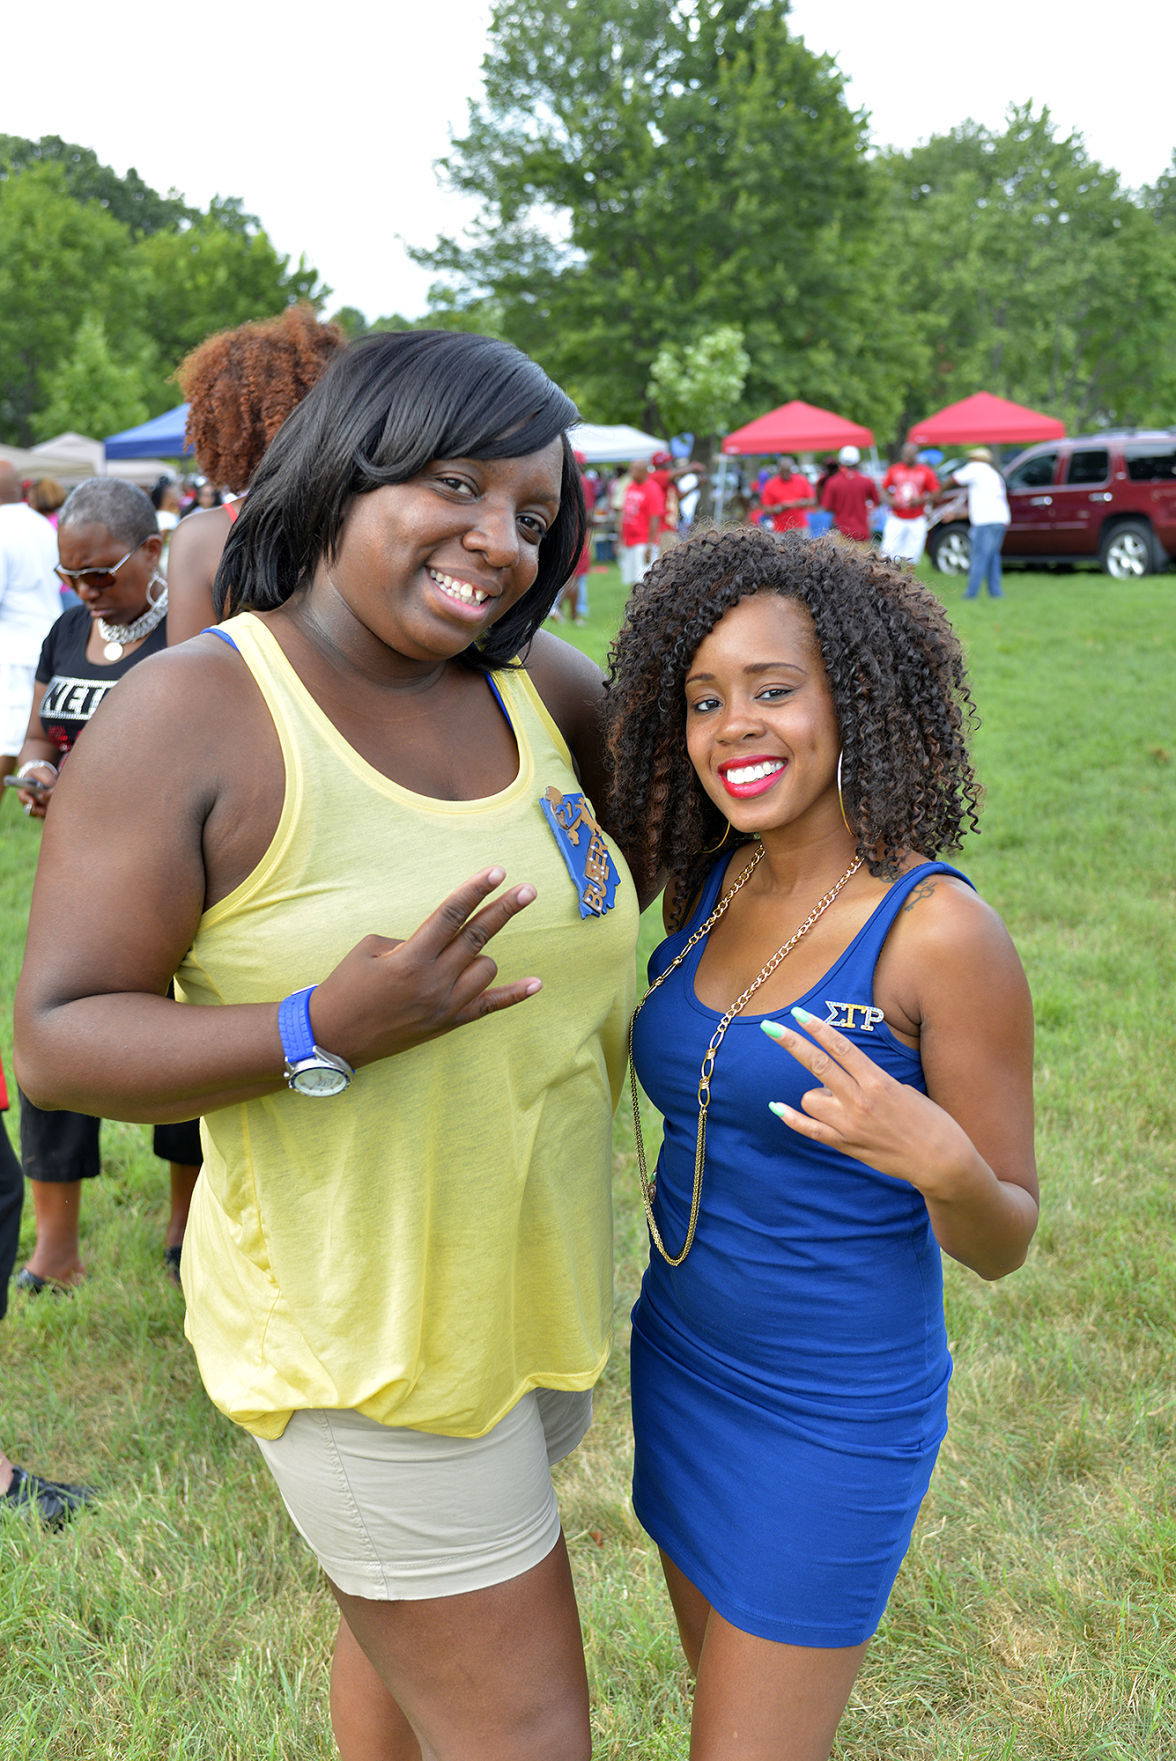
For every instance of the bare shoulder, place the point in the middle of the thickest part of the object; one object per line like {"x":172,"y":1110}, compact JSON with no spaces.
{"x":176,"y":713}
{"x":567,"y":680}
{"x":949,"y":947}
{"x":572,"y":688}
{"x":200,"y":536}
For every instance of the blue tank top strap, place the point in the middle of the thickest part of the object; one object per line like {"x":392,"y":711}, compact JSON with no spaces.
{"x":211,"y":630}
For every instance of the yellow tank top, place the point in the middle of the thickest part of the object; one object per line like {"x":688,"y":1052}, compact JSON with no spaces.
{"x":436,"y":1241}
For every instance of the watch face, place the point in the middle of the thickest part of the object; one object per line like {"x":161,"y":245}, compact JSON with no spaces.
{"x":318,"y":1079}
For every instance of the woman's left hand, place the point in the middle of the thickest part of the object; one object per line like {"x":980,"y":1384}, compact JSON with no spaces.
{"x":865,"y":1113}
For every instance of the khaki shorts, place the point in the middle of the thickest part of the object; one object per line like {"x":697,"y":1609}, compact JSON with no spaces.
{"x":398,"y":1515}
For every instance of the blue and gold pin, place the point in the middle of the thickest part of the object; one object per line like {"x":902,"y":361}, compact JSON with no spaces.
{"x":582,"y":846}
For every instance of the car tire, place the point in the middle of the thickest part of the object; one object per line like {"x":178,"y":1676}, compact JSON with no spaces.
{"x":1128,"y":551}
{"x":950,"y":547}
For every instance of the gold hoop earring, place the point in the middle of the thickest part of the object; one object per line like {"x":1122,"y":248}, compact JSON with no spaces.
{"x":715,"y":848}
{"x":841,"y":798}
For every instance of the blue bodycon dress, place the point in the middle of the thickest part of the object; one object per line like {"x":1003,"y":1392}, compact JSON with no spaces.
{"x":790,"y":1377}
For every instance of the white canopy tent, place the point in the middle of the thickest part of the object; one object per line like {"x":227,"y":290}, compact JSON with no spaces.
{"x":615,"y":444}
{"x":33,"y":462}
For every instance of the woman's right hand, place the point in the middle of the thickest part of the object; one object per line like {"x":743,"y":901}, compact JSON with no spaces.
{"x":386,"y":995}
{"x":35,"y":801}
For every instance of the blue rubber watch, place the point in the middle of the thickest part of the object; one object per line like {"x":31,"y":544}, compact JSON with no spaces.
{"x":309,"y":1070}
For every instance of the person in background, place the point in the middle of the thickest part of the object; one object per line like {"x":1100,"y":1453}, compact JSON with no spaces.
{"x":988,"y":514}
{"x":690,"y":484}
{"x":110,"y":547}
{"x":849,"y":495}
{"x":51,"y":1502}
{"x":907,"y":489}
{"x":241,"y":385}
{"x":573,"y":602}
{"x":787,"y":722}
{"x":30,"y":602}
{"x":45,"y":497}
{"x":785,"y":497}
{"x":641,"y":515}
{"x":664,"y":473}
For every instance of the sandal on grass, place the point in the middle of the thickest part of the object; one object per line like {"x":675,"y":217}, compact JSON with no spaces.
{"x":52,"y":1502}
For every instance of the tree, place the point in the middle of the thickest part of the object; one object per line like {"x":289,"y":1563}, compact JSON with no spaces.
{"x":698,"y":386}
{"x":652,"y":170}
{"x":215,"y":273}
{"x":1033,"y":276}
{"x":59,"y":258}
{"x":140,"y":208}
{"x":92,"y":390}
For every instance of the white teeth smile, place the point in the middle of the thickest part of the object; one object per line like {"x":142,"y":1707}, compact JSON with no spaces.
{"x":459,"y":589}
{"x":752,"y":773}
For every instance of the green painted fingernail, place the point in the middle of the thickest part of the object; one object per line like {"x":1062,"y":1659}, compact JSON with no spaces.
{"x":802,"y":1015}
{"x":778,"y":1108}
{"x":772,"y":1029}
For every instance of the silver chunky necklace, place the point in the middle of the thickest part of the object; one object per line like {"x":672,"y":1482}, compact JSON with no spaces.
{"x":118,"y":637}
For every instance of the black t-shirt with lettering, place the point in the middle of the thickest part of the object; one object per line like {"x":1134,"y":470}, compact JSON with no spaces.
{"x":75,"y":686}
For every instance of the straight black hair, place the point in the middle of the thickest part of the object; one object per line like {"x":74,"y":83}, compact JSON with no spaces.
{"x":384,"y":409}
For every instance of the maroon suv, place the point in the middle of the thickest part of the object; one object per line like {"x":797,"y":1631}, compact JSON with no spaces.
{"x":1104,"y":497}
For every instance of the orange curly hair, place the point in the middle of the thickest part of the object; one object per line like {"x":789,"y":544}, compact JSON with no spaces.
{"x":242,"y":384}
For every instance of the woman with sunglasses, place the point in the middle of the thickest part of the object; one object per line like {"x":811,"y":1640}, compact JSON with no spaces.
{"x":109,"y":543}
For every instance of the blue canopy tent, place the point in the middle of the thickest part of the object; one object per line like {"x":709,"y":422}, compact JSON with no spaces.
{"x":162,"y":437}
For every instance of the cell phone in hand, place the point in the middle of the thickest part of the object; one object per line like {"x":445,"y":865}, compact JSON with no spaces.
{"x":33,"y":783}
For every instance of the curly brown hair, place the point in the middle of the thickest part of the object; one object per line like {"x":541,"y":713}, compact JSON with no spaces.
{"x":242,"y":384}
{"x":895,"y":668}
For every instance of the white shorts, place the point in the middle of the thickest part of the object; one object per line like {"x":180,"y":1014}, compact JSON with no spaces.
{"x":634,"y":562}
{"x":904,"y":539}
{"x":398,"y":1515}
{"x":16,"y":701}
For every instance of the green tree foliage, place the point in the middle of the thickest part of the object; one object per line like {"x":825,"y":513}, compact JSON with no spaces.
{"x":59,"y":260}
{"x":99,"y":275}
{"x":140,"y":208}
{"x":1033,"y":275}
{"x":93,"y":391}
{"x":698,"y":386}
{"x":209,"y":276}
{"x":651,"y":170}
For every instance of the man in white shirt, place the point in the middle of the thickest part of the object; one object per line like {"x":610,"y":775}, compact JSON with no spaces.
{"x":30,"y":601}
{"x":988,"y":514}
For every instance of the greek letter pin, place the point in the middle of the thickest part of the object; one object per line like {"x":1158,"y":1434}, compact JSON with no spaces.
{"x":582,"y":846}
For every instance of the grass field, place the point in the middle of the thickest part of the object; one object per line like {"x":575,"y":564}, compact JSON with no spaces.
{"x":1035,"y":1619}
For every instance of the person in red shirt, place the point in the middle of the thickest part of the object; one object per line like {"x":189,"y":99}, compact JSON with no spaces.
{"x":785,"y":496}
{"x":848,"y":495}
{"x":573,"y":600}
{"x":641,"y":515}
{"x":664,"y":474}
{"x":906,"y":490}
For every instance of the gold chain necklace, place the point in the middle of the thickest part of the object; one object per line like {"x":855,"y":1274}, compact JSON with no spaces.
{"x":708,"y":1062}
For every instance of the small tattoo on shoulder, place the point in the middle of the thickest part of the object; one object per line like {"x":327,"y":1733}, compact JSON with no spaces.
{"x":924,"y":890}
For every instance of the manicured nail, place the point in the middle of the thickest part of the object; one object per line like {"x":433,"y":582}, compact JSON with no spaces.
{"x":495,"y":876}
{"x":802,"y":1015}
{"x":778,"y":1107}
{"x":773,"y":1030}
{"x":533,"y":985}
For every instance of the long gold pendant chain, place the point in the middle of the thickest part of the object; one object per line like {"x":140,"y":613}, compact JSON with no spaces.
{"x":708,"y":1062}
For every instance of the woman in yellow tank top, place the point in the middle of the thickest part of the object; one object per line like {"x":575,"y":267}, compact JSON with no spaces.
{"x":398,"y":1267}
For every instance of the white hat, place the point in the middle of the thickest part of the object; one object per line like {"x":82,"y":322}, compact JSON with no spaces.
{"x":849,"y":455}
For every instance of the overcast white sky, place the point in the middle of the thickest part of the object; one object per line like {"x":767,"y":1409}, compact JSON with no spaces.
{"x":327,"y":121}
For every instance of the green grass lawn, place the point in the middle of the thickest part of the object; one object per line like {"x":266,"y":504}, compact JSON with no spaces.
{"x":1036,"y":1615}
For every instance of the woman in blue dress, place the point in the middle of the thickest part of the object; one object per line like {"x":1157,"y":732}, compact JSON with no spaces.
{"x":838,"y":1035}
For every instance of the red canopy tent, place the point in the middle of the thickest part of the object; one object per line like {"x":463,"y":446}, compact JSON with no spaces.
{"x":797,"y":427}
{"x":982,"y":418}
